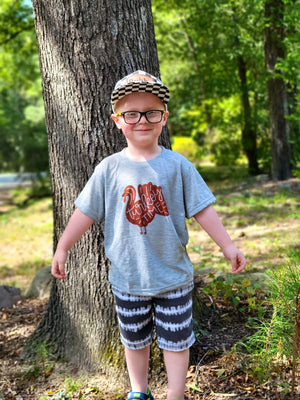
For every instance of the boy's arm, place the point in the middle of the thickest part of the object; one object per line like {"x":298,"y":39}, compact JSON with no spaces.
{"x":211,"y":223}
{"x":79,"y":223}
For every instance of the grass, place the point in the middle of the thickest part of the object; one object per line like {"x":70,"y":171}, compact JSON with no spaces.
{"x":262,"y":217}
{"x":26,"y":242}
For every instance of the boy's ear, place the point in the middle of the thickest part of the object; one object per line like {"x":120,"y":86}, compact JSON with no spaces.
{"x":116,"y":120}
{"x":164,"y":121}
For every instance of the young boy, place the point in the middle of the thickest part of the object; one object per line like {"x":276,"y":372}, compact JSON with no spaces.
{"x":144,"y":193}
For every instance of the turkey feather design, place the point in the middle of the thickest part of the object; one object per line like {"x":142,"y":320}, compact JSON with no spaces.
{"x":151,"y":201}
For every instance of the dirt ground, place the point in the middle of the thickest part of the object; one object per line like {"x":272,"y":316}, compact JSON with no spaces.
{"x":214,"y":374}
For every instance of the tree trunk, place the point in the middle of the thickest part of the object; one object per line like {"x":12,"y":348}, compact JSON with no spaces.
{"x":248,"y":132}
{"x":84,"y":48}
{"x":277,"y":92}
{"x":294,"y":125}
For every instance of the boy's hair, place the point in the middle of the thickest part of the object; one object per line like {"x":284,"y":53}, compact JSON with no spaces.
{"x":139,"y":81}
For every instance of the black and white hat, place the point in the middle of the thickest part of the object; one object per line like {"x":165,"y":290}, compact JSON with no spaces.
{"x":139,"y":81}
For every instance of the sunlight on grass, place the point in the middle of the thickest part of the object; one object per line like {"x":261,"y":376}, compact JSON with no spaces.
{"x":26,"y":242}
{"x":263,"y":220}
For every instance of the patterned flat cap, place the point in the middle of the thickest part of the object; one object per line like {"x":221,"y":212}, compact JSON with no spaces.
{"x":139,"y":81}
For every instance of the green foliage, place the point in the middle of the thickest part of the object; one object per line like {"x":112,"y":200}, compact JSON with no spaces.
{"x":78,"y":389}
{"x":276,"y":343}
{"x":42,"y":362}
{"x":72,"y":385}
{"x":12,"y":23}
{"x":23,"y":140}
{"x":238,"y":292}
{"x":232,"y":173}
{"x":185,"y":146}
{"x":61,"y":395}
{"x":25,"y":268}
{"x":203,"y":42}
{"x":289,"y":68}
{"x":40,"y":188}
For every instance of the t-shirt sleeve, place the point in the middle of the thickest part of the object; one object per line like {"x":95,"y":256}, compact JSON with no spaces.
{"x":91,"y":200}
{"x":197,"y":195}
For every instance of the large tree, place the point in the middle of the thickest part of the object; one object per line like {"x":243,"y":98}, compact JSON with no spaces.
{"x":84,"y":48}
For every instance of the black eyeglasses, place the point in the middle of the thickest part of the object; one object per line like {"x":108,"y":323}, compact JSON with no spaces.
{"x":133,"y":117}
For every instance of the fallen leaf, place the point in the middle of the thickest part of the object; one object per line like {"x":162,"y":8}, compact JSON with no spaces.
{"x":194,"y":387}
{"x":248,"y":389}
{"x":48,"y":372}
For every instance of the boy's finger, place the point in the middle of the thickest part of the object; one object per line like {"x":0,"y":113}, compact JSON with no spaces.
{"x":238,"y":264}
{"x":58,"y":271}
{"x":62,"y":274}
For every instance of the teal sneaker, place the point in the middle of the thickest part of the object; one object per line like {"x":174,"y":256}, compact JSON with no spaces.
{"x":140,"y":396}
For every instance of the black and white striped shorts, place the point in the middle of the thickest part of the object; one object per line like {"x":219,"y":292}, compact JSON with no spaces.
{"x":170,"y":313}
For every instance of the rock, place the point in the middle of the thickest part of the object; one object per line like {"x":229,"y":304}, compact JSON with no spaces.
{"x":262,"y":178}
{"x":285,"y":185}
{"x":9,"y":296}
{"x":41,"y":284}
{"x":260,"y":278}
{"x":237,"y":194}
{"x":268,"y":194}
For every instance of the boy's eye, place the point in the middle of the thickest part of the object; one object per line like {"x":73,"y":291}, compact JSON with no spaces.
{"x":132,"y":114}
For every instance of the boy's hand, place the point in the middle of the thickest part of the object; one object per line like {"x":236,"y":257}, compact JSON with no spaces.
{"x":238,"y":261}
{"x":58,"y":264}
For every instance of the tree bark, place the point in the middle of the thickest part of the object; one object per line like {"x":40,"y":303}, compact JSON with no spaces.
{"x":84,"y":48}
{"x":277,"y":92}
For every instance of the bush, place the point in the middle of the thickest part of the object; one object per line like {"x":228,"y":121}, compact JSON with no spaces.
{"x":186,"y":146}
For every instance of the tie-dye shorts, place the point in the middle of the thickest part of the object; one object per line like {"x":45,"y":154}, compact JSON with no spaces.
{"x":169,"y":314}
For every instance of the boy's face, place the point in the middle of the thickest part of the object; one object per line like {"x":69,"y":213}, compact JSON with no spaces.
{"x":143,"y":133}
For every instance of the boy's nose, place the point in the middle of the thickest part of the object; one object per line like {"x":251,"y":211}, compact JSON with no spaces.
{"x":143,"y":119}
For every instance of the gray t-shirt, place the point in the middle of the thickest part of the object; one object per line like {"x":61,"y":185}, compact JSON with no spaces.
{"x":145,"y":205}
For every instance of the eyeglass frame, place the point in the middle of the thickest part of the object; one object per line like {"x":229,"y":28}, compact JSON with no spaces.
{"x":123,"y":114}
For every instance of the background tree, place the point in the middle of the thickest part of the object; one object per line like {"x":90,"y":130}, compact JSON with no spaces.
{"x":290,"y":66}
{"x":277,"y":91}
{"x":84,"y":48}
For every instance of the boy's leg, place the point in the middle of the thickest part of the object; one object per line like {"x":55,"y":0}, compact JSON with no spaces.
{"x":136,"y":326}
{"x":137,"y":365}
{"x":177,"y":366}
{"x":174,"y":328}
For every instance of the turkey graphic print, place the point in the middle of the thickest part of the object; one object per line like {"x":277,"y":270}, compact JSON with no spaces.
{"x":151,"y":201}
